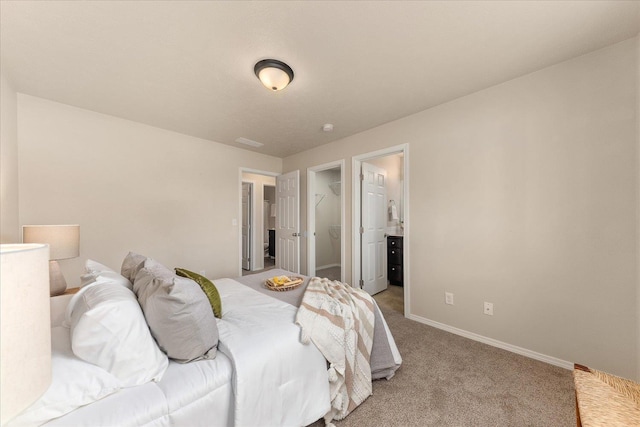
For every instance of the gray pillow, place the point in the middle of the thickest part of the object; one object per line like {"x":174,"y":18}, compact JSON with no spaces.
{"x":178,"y":313}
{"x":207,"y":287}
{"x":131,"y":264}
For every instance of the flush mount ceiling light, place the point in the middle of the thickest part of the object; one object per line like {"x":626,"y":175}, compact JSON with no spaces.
{"x":274,"y":75}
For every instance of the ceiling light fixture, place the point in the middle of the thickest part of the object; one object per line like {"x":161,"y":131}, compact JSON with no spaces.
{"x":274,"y":75}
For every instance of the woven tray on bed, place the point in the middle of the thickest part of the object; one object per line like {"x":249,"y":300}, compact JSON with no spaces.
{"x":287,"y":286}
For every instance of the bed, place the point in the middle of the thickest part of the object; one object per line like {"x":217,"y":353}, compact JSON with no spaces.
{"x":260,"y":374}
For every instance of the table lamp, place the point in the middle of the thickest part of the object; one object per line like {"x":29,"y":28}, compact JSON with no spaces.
{"x":25,"y":327}
{"x":64,"y":243}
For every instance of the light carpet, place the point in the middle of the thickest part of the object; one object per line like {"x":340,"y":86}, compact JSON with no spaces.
{"x":448,"y":380}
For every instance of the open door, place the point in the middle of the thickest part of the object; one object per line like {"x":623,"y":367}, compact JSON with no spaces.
{"x":288,"y":221}
{"x":246,"y":225}
{"x":374,"y":222}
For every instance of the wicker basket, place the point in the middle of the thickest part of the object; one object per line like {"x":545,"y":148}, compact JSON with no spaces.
{"x":287,"y":286}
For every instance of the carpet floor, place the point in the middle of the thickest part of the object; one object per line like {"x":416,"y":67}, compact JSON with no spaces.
{"x":332,"y":273}
{"x":448,"y":380}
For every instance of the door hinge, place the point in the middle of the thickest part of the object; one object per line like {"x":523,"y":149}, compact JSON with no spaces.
{"x":361,"y":177}
{"x":361,"y":230}
{"x":361,"y":284}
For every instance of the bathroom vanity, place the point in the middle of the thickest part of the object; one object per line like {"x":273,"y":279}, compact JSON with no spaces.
{"x":395,"y":275}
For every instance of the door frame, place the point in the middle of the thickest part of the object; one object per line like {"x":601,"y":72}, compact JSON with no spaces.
{"x":356,"y":208}
{"x":234,"y":221}
{"x":311,"y":215}
{"x":249,"y":224}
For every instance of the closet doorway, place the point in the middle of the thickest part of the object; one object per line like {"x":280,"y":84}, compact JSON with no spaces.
{"x":325,"y":220}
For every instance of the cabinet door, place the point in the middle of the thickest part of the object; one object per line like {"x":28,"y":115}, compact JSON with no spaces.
{"x":394,"y":256}
{"x":394,"y":274}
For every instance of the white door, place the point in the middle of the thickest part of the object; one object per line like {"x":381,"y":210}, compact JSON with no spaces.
{"x":246,"y":225}
{"x":311,"y":223}
{"x":374,"y":222}
{"x":288,"y":221}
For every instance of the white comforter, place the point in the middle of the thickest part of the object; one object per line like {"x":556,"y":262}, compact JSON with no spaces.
{"x":277,"y":380}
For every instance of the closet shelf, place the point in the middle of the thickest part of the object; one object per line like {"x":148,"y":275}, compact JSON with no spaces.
{"x":335,"y":187}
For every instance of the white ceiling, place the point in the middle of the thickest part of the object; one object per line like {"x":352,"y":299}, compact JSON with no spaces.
{"x":188,"y":66}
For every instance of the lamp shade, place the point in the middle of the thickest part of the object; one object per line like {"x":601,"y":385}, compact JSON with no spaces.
{"x":63,"y":240}
{"x":25,"y":327}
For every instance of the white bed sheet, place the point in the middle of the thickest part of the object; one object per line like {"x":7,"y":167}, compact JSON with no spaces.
{"x":193,"y":394}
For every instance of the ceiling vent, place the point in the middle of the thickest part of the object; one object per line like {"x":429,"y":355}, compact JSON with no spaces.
{"x":250,"y":142}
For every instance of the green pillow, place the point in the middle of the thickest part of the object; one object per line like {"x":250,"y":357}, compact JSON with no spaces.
{"x":208,"y":288}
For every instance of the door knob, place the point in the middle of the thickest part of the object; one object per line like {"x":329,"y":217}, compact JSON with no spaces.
{"x":295,"y":234}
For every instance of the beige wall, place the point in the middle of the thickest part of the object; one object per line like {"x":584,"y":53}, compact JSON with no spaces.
{"x":525,"y":195}
{"x":9,"y":228}
{"x":257,"y":235}
{"x":131,"y":187}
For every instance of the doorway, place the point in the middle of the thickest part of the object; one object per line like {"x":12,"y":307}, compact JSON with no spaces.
{"x":257,"y":198}
{"x":247,"y":193}
{"x":381,"y":224}
{"x":269,"y":231}
{"x":325,"y":219}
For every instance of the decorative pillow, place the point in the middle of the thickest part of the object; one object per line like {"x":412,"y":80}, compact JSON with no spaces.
{"x":144,"y":288}
{"x":74,"y":383}
{"x":208,"y":288}
{"x":94,"y":270}
{"x":108,"y":329}
{"x":131,"y":264}
{"x":177,"y":312}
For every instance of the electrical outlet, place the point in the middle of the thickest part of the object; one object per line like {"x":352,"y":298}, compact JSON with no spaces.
{"x":488,"y":308}
{"x":448,"y":298}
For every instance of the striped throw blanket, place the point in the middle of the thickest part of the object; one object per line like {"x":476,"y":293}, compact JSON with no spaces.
{"x":339,"y":320}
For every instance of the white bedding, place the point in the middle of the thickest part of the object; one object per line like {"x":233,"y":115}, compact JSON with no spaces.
{"x":262,"y":375}
{"x":278,"y":381}
{"x":193,"y":394}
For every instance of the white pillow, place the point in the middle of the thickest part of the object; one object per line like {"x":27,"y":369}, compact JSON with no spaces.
{"x":74,"y":383}
{"x":108,"y":329}
{"x":94,"y":270}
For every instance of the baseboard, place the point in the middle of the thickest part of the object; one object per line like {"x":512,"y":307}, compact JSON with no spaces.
{"x":327,"y":266}
{"x":495,"y":343}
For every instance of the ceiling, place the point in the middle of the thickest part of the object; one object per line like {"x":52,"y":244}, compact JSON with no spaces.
{"x":188,"y":66}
